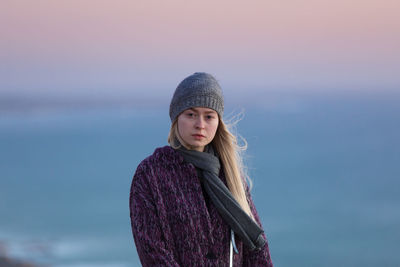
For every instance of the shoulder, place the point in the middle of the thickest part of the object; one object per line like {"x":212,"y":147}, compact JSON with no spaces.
{"x":162,"y":158}
{"x":162,"y":169}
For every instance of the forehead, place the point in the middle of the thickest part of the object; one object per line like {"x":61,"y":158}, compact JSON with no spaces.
{"x":202,"y":110}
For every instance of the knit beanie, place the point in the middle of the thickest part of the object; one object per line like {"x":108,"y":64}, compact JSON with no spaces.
{"x":197,"y":90}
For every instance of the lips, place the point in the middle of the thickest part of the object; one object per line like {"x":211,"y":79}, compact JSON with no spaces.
{"x":198,"y":136}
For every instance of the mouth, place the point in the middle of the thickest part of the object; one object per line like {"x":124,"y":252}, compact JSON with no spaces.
{"x":198,"y":136}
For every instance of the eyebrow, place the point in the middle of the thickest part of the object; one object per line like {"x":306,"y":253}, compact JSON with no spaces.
{"x":207,"y":112}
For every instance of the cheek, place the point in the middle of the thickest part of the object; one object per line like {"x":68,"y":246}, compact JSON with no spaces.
{"x":214,"y":128}
{"x":182,"y":127}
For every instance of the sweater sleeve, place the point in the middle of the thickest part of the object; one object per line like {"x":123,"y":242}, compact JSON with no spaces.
{"x":262,"y":257}
{"x":146,"y":228}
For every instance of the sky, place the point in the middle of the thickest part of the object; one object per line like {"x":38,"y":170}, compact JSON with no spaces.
{"x":119,"y":48}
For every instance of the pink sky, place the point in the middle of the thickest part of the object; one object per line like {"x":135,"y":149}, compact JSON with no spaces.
{"x":125,"y":46}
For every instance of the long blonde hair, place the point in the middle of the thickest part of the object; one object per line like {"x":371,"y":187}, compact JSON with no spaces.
{"x":229,"y":151}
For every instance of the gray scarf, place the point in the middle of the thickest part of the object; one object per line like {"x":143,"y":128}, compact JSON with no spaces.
{"x":241,"y":223}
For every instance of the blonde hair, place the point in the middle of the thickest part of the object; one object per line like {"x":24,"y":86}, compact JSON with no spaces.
{"x":229,"y":151}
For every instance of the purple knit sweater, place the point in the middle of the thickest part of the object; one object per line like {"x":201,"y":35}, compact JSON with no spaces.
{"x":171,"y":223}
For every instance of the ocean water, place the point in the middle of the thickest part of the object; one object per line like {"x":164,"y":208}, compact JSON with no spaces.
{"x":325,"y":172}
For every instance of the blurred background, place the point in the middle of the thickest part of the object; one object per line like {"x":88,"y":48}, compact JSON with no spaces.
{"x":85,"y":88}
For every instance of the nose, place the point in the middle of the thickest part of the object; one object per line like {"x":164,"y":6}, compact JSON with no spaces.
{"x":199,"y":123}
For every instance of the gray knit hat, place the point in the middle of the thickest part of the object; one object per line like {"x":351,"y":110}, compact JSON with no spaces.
{"x":198,"y":90}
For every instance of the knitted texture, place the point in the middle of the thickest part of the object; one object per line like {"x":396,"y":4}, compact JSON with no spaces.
{"x":198,"y":90}
{"x":171,"y":223}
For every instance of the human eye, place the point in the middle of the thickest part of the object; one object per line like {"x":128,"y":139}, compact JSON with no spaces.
{"x":210,"y":117}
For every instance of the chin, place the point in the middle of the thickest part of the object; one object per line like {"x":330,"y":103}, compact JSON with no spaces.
{"x":194,"y":145}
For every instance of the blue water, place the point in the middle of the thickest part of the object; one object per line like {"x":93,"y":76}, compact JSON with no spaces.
{"x":325,"y":171}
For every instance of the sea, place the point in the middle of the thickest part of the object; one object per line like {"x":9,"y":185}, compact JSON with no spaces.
{"x":325,"y":171}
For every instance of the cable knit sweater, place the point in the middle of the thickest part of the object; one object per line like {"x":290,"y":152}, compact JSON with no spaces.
{"x":171,"y":223}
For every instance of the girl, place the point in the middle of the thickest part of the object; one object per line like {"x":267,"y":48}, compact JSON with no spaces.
{"x":189,"y":202}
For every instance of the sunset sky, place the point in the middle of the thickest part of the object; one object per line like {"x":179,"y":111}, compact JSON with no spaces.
{"x":84,"y":47}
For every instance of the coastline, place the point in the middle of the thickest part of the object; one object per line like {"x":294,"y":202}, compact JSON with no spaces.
{"x":8,"y":262}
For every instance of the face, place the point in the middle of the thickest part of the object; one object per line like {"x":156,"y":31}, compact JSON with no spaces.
{"x":197,"y":127}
